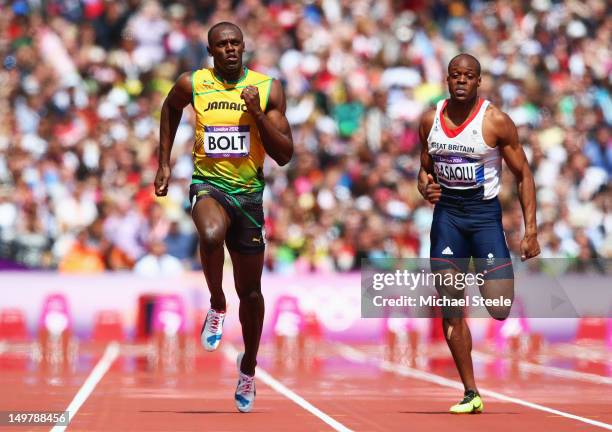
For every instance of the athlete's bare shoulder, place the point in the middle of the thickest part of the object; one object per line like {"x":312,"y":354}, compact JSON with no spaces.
{"x":426,"y":122}
{"x":183,"y":83}
{"x":495,"y":115}
{"x":427,"y":118}
{"x":499,"y":123}
{"x":277,"y":100}
{"x":181,"y":94}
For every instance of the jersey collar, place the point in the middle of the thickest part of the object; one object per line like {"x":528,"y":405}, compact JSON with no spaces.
{"x":453,"y":132}
{"x":245,"y":72}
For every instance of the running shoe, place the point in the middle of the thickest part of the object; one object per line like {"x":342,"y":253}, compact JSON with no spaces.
{"x":212,"y":330}
{"x":245,"y":390}
{"x":471,"y":404}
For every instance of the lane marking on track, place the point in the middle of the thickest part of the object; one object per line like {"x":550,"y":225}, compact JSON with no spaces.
{"x":110,"y":355}
{"x":231,"y":353}
{"x":549,"y":370}
{"x":357,"y":356}
{"x":581,"y":352}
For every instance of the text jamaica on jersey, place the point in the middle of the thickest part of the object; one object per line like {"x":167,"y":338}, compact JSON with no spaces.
{"x":223,"y":105}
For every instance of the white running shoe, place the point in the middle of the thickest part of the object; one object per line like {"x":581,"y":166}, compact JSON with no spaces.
{"x":212,"y":330}
{"x":245,"y":391}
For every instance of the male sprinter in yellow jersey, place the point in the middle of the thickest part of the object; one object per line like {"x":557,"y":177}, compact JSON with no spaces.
{"x":463,"y":143}
{"x":240,"y":116}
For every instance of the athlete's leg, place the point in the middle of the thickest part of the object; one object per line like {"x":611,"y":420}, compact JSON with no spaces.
{"x":492,"y":258}
{"x":457,"y":333}
{"x":247,"y":277}
{"x":498,"y":289}
{"x":459,"y":341}
{"x":449,"y":255}
{"x":212,"y":221}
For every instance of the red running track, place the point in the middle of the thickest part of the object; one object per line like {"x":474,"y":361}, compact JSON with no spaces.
{"x":353,"y":388}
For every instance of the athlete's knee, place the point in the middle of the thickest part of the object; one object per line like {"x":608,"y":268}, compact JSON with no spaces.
{"x":212,"y":236}
{"x":500,"y":313}
{"x":253,"y":295}
{"x":454,"y":314}
{"x":452,"y":321}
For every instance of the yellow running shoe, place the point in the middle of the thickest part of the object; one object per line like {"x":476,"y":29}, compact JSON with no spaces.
{"x":471,"y":404}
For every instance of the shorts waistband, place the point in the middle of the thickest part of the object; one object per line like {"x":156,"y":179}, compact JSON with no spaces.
{"x":463,"y":194}
{"x":467,"y":197}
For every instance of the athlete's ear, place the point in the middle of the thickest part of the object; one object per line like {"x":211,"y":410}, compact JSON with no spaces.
{"x":479,"y":80}
{"x":209,"y":51}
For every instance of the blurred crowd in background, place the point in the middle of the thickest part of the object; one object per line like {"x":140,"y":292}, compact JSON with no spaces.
{"x":82,"y":83}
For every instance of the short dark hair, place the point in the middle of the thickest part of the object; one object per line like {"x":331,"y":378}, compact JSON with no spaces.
{"x":223,"y":24}
{"x":469,"y":56}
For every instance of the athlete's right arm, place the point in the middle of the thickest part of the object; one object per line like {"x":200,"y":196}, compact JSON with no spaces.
{"x":426,"y":184}
{"x":179,"y":97}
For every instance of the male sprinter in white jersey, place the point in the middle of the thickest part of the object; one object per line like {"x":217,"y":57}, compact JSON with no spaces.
{"x":463,"y":141}
{"x":240,"y":117}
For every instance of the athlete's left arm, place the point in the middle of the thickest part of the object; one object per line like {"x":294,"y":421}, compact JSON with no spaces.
{"x":512,"y":152}
{"x":272,"y":124}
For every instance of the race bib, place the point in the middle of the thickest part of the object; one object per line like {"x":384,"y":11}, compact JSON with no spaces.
{"x":227,"y":141}
{"x":458,"y":170}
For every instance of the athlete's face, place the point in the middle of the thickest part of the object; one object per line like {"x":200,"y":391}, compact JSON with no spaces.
{"x":463,"y":79}
{"x":226,"y":47}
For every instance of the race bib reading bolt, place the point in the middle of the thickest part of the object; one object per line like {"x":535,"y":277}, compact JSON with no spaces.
{"x":227,"y":141}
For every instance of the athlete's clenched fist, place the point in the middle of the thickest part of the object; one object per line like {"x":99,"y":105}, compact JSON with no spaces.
{"x":161,"y":180}
{"x":250,"y":95}
{"x":529,"y":247}
{"x":430,"y":190}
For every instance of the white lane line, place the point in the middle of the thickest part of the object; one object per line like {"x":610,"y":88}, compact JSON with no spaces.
{"x":549,"y":370}
{"x":231,"y":353}
{"x":581,"y":352}
{"x":354,"y":355}
{"x":110,"y":355}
